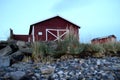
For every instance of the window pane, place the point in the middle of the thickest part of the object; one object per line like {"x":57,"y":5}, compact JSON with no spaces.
{"x":39,"y":33}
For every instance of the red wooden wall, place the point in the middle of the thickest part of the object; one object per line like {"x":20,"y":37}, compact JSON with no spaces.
{"x":53,"y":23}
{"x":22,"y":37}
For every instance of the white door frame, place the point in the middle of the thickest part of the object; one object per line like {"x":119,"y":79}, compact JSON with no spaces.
{"x":57,"y":36}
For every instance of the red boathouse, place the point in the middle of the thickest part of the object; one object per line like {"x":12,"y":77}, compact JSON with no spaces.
{"x":51,"y":29}
{"x":110,"y":38}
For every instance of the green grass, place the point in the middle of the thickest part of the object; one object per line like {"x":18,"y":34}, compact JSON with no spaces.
{"x":71,"y":46}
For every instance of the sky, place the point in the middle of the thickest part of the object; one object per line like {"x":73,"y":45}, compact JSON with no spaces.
{"x":97,"y":18}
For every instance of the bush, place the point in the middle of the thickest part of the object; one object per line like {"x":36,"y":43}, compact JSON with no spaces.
{"x":97,"y":50}
{"x":117,"y":45}
{"x":111,"y":49}
{"x":71,"y":46}
{"x":36,"y":51}
{"x":92,"y":50}
{"x":40,"y":51}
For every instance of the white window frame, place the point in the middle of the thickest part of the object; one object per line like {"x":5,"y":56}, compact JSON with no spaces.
{"x":40,"y":33}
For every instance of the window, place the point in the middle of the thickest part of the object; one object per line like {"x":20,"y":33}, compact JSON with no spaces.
{"x":39,"y":33}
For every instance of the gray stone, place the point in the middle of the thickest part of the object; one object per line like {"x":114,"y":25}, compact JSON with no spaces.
{"x":47,"y":70}
{"x":3,"y":44}
{"x":6,"y":51}
{"x":37,"y":75}
{"x":63,"y":70}
{"x":98,"y":62}
{"x":117,"y":74}
{"x":29,"y":76}
{"x":10,"y":69}
{"x":21,"y":44}
{"x":85,"y":65}
{"x":7,"y":75}
{"x":60,"y":72}
{"x":4,"y":61}
{"x":111,"y":77}
{"x":17,"y":56}
{"x":26,"y":51}
{"x":55,"y":75}
{"x":22,"y":66}
{"x":16,"y":75}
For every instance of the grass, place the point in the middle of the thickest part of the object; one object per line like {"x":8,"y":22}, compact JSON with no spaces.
{"x":43,"y":52}
{"x":111,"y":49}
{"x":70,"y":46}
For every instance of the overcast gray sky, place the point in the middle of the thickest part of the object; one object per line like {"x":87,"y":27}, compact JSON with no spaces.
{"x":97,"y":18}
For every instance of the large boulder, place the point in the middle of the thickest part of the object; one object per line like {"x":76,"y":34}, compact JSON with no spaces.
{"x":6,"y":51}
{"x":21,"y":65}
{"x":21,"y":44}
{"x":16,"y":75}
{"x":47,"y":70}
{"x":16,"y":57}
{"x":4,"y":61}
{"x":14,"y":47}
{"x":27,"y":51}
{"x":3,"y":44}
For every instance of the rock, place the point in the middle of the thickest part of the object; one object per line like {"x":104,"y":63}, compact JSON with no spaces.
{"x":28,"y":44}
{"x":80,"y":77}
{"x":37,"y":75}
{"x":72,"y":78}
{"x":26,"y":51}
{"x":21,"y":66}
{"x":54,"y":76}
{"x":60,"y":72}
{"x":98,"y":62}
{"x":17,"y":56}
{"x":10,"y":69}
{"x":77,"y":69}
{"x":111,"y":77}
{"x":4,"y":61}
{"x":84,"y":65}
{"x":6,"y":77}
{"x":47,"y":70}
{"x":29,"y":76}
{"x":21,"y":44}
{"x":117,"y":75}
{"x":14,"y":47}
{"x":3,"y":44}
{"x":16,"y":75}
{"x":6,"y":51}
{"x":2,"y":72}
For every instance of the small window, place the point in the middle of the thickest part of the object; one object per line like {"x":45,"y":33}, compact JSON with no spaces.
{"x":39,"y":33}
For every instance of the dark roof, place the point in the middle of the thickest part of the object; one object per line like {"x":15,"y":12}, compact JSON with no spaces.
{"x":103,"y":37}
{"x":112,"y":36}
{"x":30,"y":30}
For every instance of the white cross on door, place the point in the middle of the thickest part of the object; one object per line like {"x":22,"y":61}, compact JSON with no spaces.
{"x":57,"y":33}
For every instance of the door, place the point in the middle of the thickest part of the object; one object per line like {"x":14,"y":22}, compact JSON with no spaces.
{"x":55,"y":34}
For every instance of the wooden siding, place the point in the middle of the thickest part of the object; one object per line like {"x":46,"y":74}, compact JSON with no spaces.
{"x":54,"y":23}
{"x":21,"y":37}
{"x":110,"y":38}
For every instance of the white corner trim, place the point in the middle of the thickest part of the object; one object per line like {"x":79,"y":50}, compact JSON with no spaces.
{"x":33,"y":34}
